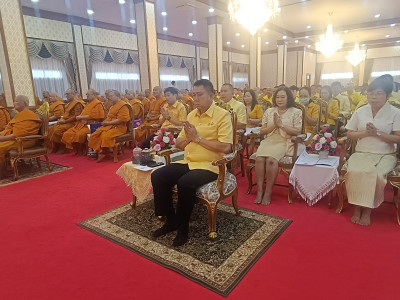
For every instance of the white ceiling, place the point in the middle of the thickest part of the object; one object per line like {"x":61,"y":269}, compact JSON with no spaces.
{"x":357,"y":16}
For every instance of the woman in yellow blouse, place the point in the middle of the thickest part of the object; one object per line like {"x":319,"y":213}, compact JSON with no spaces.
{"x":333,"y":105}
{"x":253,"y":109}
{"x":312,"y":110}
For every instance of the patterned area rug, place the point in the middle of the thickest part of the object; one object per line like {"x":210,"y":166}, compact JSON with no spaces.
{"x":218,"y":265}
{"x":27,"y":171}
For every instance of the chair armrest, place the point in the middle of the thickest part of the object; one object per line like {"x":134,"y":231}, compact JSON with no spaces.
{"x":342,"y":140}
{"x":167,"y":154}
{"x":224,"y":160}
{"x":299,"y":138}
{"x":30,"y":137}
{"x":221,"y":163}
{"x":155,"y":126}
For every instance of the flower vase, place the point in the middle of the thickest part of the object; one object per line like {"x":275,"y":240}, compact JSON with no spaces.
{"x":323,"y":154}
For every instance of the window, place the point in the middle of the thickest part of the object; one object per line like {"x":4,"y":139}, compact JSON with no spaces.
{"x":179,"y":75}
{"x":341,"y":71}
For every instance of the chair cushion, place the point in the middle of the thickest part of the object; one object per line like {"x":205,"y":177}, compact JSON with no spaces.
{"x":239,"y":147}
{"x":37,"y":150}
{"x":253,"y":156}
{"x":123,"y":138}
{"x":286,"y":160}
{"x":210,"y":192}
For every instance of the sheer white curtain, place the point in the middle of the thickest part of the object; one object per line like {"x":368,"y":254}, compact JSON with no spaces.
{"x":179,"y":75}
{"x":49,"y":74}
{"x":114,"y":76}
{"x":204,"y":72}
{"x":341,"y":71}
{"x":1,"y":85}
{"x":386,"y":65}
{"x":239,"y":79}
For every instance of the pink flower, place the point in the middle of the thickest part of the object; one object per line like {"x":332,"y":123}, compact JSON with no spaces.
{"x":318,"y":146}
{"x":154,"y":142}
{"x":172,"y":142}
{"x":157,"y":147}
{"x":312,"y":145}
{"x":326,"y":148}
{"x":159,"y":138}
{"x":328,"y":140}
{"x":163,"y":130}
{"x":323,"y":129}
{"x":162,"y":144}
{"x":318,"y":138}
{"x":170,"y":135}
{"x":327,"y":134}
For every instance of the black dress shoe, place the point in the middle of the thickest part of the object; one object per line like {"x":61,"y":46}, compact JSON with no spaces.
{"x":181,"y":238}
{"x":163,"y":230}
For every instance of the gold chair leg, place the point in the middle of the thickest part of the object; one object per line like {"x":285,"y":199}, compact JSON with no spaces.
{"x":115,"y":152}
{"x":249,"y":178}
{"x":242,"y":163}
{"x":235,"y":202}
{"x":290,"y":194}
{"x":14,"y":166}
{"x":49,"y":167}
{"x":339,"y":189}
{"x":212,"y":217}
{"x":396,"y":203}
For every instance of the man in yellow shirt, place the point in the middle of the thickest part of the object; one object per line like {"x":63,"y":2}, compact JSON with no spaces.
{"x":207,"y":136}
{"x":344,"y":103}
{"x":352,"y":95}
{"x":238,"y":107}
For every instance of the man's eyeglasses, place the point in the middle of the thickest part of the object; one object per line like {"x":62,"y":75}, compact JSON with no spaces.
{"x":376,"y":94}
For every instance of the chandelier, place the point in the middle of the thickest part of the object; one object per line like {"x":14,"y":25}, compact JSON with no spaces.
{"x":356,"y":55}
{"x":329,"y":42}
{"x":253,"y":14}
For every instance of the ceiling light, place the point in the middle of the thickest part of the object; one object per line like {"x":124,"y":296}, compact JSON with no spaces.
{"x":90,"y":12}
{"x":308,"y":26}
{"x":377,"y":16}
{"x":329,"y":42}
{"x":163,"y":13}
{"x":165,"y":28}
{"x":228,"y":42}
{"x":398,"y":41}
{"x":388,"y":35}
{"x":211,"y":9}
{"x":308,"y":46}
{"x":194,"y":22}
{"x":362,"y":45}
{"x":306,"y":36}
{"x":266,"y":43}
{"x":284,"y":37}
{"x":132,"y":21}
{"x":296,"y":41}
{"x":346,"y":31}
{"x":34,"y":1}
{"x":190,"y":34}
{"x":252,"y":15}
{"x":356,"y":55}
{"x":265,"y":29}
{"x":121,"y":1}
{"x":242,"y":46}
{"x":392,"y":25}
{"x":237,"y":34}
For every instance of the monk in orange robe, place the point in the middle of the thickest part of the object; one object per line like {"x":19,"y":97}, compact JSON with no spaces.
{"x":56,"y":108}
{"x":73,"y":109}
{"x":187,"y":99}
{"x":137,"y":105}
{"x":148,"y":95}
{"x":107,"y":103}
{"x":4,"y":114}
{"x":93,"y":112}
{"x":153,"y":115}
{"x":114,"y":125}
{"x":26,"y":122}
{"x":46,"y":98}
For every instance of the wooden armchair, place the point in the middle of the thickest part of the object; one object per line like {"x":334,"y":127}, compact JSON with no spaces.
{"x":347,"y":147}
{"x":224,"y":187}
{"x":128,"y":136}
{"x":38,"y":150}
{"x":286,"y":163}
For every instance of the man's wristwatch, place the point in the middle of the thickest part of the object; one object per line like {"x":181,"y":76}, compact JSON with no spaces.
{"x":169,"y":118}
{"x":378,"y":133}
{"x":197,"y":140}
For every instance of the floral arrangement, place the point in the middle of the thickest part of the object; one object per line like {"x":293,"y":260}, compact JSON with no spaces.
{"x":163,"y":140}
{"x":323,"y":141}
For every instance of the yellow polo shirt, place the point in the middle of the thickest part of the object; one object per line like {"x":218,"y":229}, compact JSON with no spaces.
{"x":239,"y":109}
{"x":213,"y":125}
{"x":177,"y":111}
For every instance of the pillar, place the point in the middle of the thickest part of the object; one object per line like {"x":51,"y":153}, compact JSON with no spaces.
{"x":255,"y":61}
{"x":148,"y":46}
{"x":282,"y":60}
{"x":15,"y":65}
{"x":198,"y":64}
{"x":215,"y":64}
{"x":83,"y":84}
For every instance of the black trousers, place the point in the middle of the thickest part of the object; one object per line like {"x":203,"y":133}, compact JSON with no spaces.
{"x":147,"y":142}
{"x":187,"y":181}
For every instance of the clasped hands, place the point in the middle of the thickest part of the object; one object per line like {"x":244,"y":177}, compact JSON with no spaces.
{"x":190,"y":131}
{"x":371,"y":129}
{"x":164,"y":113}
{"x":277,"y":120}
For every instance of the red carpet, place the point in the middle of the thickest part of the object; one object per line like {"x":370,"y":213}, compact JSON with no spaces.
{"x":45,"y":255}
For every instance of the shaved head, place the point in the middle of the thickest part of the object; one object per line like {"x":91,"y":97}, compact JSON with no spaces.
{"x":21,"y":102}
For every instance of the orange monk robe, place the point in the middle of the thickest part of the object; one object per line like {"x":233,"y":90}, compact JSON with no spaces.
{"x":56,"y":109}
{"x":146,"y":106}
{"x":105,"y":135}
{"x":125,"y":100}
{"x":78,"y":133}
{"x":137,"y":108}
{"x":107,"y":105}
{"x":24,"y":123}
{"x":188,"y":101}
{"x":4,"y":118}
{"x":151,"y":98}
{"x":72,"y":110}
{"x":155,"y":110}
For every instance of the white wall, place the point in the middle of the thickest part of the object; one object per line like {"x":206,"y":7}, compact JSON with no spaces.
{"x":45,"y":29}
{"x":174,"y":48}
{"x":269,"y":64}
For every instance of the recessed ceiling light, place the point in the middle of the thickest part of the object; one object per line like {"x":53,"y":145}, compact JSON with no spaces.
{"x":190,"y":34}
{"x":90,"y":12}
{"x":211,"y":9}
{"x":308,"y":26}
{"x":194,"y":22}
{"x":34,"y":1}
{"x":228,"y":42}
{"x":237,"y":34}
{"x":392,"y":25}
{"x":296,"y":41}
{"x":121,"y":1}
{"x":306,"y":36}
{"x":362,"y":45}
{"x":266,"y":43}
{"x":132,"y":21}
{"x":284,"y":37}
{"x":242,"y":46}
{"x":265,"y":29}
{"x":165,"y":28}
{"x":388,"y":35}
{"x":377,"y":16}
{"x":346,"y":31}
{"x":279,"y":9}
{"x":308,"y":46}
{"x":398,"y":41}
{"x":163,"y":13}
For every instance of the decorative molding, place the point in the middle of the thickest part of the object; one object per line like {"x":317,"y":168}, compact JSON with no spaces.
{"x":109,"y":38}
{"x":46,"y":29}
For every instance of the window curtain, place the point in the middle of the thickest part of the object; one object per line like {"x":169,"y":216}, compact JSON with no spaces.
{"x":50,"y":75}
{"x":386,"y":65}
{"x":318,"y":71}
{"x":240,"y":75}
{"x":63,"y":53}
{"x":368,"y":69}
{"x":204,"y":69}
{"x":109,"y":68}
{"x":341,"y":71}
{"x":225,"y":69}
{"x":176,"y":68}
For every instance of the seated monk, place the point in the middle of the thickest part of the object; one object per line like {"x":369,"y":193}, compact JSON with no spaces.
{"x":148,"y":95}
{"x":26,"y":122}
{"x":114,"y":125}
{"x":73,"y":109}
{"x":45,"y":99}
{"x":173,"y":113}
{"x":107,"y":103}
{"x":154,"y":114}
{"x":137,"y":105}
{"x":4,"y":114}
{"x":93,"y":112}
{"x":146,"y":102}
{"x":56,"y":108}
{"x":187,"y":99}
